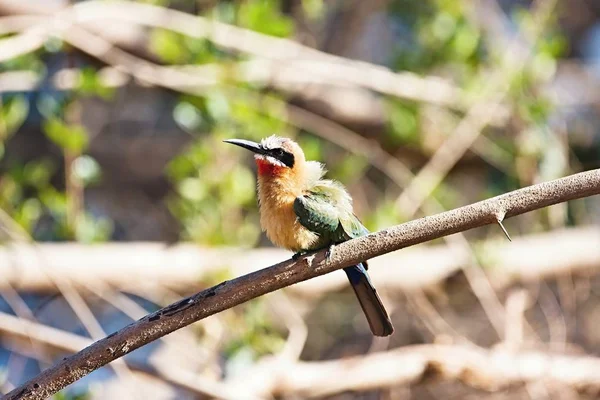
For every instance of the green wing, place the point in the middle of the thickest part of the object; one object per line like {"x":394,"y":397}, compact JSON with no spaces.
{"x":329,"y":215}
{"x":353,"y":227}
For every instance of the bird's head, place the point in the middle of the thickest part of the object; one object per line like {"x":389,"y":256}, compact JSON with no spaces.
{"x":274,"y":155}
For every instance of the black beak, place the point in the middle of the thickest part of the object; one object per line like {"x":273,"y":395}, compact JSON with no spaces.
{"x":280,"y":154}
{"x":247,"y":144}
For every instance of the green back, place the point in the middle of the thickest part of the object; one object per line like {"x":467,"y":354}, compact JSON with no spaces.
{"x":327,"y":210}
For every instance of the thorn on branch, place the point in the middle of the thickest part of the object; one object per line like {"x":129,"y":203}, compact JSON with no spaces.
{"x":499,"y":219}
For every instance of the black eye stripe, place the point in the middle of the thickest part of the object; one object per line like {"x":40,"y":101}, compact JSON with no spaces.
{"x":288,"y":159}
{"x":284,"y":156}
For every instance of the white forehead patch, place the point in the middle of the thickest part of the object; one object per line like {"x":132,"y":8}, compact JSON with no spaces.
{"x":273,"y":142}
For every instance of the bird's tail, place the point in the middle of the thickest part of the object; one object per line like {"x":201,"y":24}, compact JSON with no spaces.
{"x":369,"y":300}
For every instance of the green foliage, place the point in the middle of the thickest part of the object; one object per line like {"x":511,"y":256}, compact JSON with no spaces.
{"x":403,"y":123}
{"x":440,"y":34}
{"x":215,"y":199}
{"x":13,"y":112}
{"x":25,"y":62}
{"x":312,"y":147}
{"x":214,"y":195}
{"x":448,"y":196}
{"x":91,"y":229}
{"x":68,"y":137}
{"x":253,"y":334}
{"x":314,"y":9}
{"x":348,"y":168}
{"x":20,"y":190}
{"x":72,"y":395}
{"x":27,"y":193}
{"x":385,"y":214}
{"x":174,"y":48}
{"x":89,"y":84}
{"x":264,"y":16}
{"x":87,"y":228}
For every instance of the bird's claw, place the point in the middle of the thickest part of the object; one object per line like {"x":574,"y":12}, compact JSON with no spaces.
{"x":328,"y":253}
{"x":297,"y":255}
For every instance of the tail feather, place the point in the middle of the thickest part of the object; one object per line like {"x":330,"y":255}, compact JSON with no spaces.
{"x":369,"y":300}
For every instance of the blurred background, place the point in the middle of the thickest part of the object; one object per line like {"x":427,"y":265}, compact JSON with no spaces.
{"x":117,"y":195}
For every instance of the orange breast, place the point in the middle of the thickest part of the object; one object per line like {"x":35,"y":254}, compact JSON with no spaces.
{"x":278,"y":219}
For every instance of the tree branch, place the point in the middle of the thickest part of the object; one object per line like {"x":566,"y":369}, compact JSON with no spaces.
{"x":132,"y":266}
{"x":239,"y":290}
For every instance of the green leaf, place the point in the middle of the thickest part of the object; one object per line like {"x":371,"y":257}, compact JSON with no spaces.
{"x":89,"y":83}
{"x":12,"y":115}
{"x":193,"y":189}
{"x":89,"y":229}
{"x":238,"y":187}
{"x":264,"y":16}
{"x":29,"y":213}
{"x":443,"y":26}
{"x":465,"y":41}
{"x":38,"y":173}
{"x":313,"y":8}
{"x":68,"y":137}
{"x":403,"y":123}
{"x":312,"y":146}
{"x":168,"y":46}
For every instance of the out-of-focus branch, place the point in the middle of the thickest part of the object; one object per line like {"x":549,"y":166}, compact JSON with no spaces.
{"x":8,"y":7}
{"x":278,"y":59}
{"x":19,"y":329}
{"x":56,"y":339}
{"x":280,"y":376}
{"x":477,"y":118}
{"x":282,"y":78}
{"x":483,"y":369}
{"x":128,"y":266}
{"x":239,"y":290}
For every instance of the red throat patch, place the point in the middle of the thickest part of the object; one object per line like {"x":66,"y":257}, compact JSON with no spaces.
{"x":266,"y":168}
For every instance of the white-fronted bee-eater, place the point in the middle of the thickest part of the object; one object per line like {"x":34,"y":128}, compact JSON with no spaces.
{"x":301,"y":211}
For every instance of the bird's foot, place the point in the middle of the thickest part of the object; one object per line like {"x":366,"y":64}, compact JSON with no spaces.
{"x":299,"y":254}
{"x":329,"y":252}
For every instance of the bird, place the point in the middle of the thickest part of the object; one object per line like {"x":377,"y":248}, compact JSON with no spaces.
{"x":303,"y":212}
